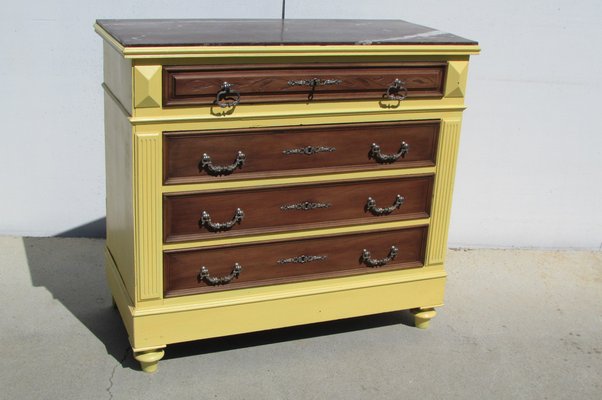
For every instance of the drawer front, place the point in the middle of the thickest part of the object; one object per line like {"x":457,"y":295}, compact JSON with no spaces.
{"x":217,"y":269}
{"x":297,"y":150}
{"x":241,"y":212}
{"x":199,"y":85}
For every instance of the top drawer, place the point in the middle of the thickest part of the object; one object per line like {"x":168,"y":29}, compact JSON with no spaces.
{"x":193,"y":85}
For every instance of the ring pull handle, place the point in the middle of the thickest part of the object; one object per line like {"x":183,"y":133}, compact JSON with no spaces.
{"x":377,"y":155}
{"x":214,"y":170}
{"x":397,"y":90}
{"x":372,"y":262}
{"x":371,"y":206}
{"x":227,"y":97}
{"x":214,"y":281}
{"x":221,"y":226}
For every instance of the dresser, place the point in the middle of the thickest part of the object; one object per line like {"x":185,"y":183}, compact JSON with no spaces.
{"x":270,"y":173}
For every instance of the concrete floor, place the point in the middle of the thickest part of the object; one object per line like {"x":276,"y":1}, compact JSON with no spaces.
{"x":523,"y":324}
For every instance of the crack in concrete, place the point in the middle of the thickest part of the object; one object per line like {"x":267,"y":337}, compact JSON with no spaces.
{"x":125,"y":355}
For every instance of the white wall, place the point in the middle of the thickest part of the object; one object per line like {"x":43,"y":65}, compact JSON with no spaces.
{"x":530,"y":168}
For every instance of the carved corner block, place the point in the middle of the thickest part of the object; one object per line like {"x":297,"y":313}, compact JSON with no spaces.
{"x":147,"y":86}
{"x":457,"y":73}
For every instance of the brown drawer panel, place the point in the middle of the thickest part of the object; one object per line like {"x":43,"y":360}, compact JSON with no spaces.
{"x":280,"y":262}
{"x":294,"y":207}
{"x":198,"y":85}
{"x":345,"y":147}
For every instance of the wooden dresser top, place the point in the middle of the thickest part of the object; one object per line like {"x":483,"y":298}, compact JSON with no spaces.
{"x":253,"y":32}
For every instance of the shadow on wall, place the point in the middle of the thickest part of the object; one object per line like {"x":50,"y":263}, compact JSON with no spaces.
{"x":94,"y":229}
{"x":73,"y":271}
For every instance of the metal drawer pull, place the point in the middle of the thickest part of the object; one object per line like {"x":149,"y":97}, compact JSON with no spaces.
{"x":309,"y":150}
{"x":379,"y":262}
{"x":227,"y":97}
{"x":313,"y":82}
{"x":301,"y":259}
{"x":304,"y":206}
{"x":221,"y":226}
{"x":214,"y":170}
{"x":371,"y":206}
{"x":213,"y":280}
{"x":397,"y":90}
{"x":376,"y":154}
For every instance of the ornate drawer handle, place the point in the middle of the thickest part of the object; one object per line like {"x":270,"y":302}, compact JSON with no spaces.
{"x":309,"y":150}
{"x":213,"y":280}
{"x":301,"y":259}
{"x":214,"y":170}
{"x":304,"y":206}
{"x":227,"y":97}
{"x":397,"y":90}
{"x":313,"y":82}
{"x":376,"y":154}
{"x":371,"y":206}
{"x":221,"y":226}
{"x":371,"y":262}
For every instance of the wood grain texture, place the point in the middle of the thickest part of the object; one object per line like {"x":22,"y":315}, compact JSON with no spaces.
{"x":340,"y":204}
{"x":260,"y":261}
{"x":269,"y":83}
{"x":264,"y":148}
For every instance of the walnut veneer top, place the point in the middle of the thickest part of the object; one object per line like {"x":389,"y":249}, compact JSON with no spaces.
{"x":220,"y":32}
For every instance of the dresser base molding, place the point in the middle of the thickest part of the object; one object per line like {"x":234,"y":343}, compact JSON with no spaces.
{"x":152,"y":327}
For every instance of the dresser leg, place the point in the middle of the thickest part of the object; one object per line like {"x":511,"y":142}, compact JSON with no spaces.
{"x":423,"y":316}
{"x":149,"y":359}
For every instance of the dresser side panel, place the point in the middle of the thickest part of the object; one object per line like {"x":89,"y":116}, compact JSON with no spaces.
{"x":119,"y":200}
{"x":118,"y":76}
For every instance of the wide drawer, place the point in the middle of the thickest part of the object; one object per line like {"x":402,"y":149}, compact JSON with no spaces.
{"x":238,"y":266}
{"x":266,"y":83}
{"x":192,"y":216}
{"x":297,"y":150}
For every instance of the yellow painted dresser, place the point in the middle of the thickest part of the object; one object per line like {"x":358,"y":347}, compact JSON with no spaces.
{"x":268,"y":173}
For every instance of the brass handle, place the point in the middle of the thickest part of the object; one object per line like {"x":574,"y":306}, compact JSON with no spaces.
{"x":227,"y":97}
{"x":372,"y":262}
{"x":221,"y":226}
{"x":214,"y":170}
{"x":377,"y":155}
{"x":397,"y":90}
{"x":313,"y":82}
{"x":213,"y":280}
{"x":371,"y":206}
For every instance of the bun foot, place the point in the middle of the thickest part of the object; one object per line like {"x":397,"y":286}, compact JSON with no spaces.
{"x":423,"y":316}
{"x":149,"y":359}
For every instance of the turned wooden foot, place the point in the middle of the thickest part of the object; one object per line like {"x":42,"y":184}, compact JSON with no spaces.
{"x":149,"y":359}
{"x":423,"y":316}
